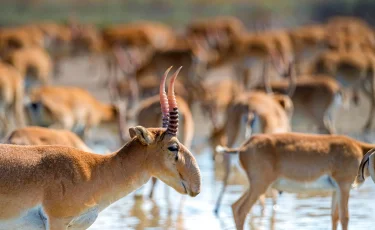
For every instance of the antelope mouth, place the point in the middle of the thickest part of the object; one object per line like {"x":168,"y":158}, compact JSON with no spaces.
{"x":189,"y":191}
{"x":183,"y":185}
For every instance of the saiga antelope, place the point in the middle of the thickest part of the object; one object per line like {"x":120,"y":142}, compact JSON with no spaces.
{"x":251,"y":110}
{"x":150,"y":106}
{"x":307,"y":92}
{"x":33,"y":135}
{"x":308,"y":41}
{"x":11,"y":97}
{"x":221,"y":33}
{"x":294,"y":162}
{"x":70,"y":108}
{"x":56,"y":187}
{"x":34,"y":64}
{"x":17,"y":38}
{"x":354,"y":70}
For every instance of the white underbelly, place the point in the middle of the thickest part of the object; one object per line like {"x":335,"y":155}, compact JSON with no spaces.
{"x":323,"y":184}
{"x":33,"y":219}
{"x":85,"y":220}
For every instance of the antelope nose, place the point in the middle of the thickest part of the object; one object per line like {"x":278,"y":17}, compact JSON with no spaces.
{"x":194,"y":193}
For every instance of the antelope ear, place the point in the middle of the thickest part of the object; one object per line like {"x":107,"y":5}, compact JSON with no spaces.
{"x":143,"y":135}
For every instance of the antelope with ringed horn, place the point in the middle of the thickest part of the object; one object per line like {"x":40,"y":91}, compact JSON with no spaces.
{"x":56,"y":187}
{"x":294,"y":162}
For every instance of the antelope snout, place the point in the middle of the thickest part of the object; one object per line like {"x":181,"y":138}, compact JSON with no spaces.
{"x":194,"y":193}
{"x":195,"y":186}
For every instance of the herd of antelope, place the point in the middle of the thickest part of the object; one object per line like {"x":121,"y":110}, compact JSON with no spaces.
{"x":50,"y":179}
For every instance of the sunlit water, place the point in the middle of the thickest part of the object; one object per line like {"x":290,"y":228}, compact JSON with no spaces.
{"x":292,"y":212}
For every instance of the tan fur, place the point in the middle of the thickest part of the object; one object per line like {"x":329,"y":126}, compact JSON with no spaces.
{"x":215,"y":96}
{"x":349,"y":26}
{"x":272,"y":116}
{"x":33,"y":135}
{"x":222,"y":33}
{"x":259,"y":47}
{"x":307,"y":42}
{"x":66,"y":182}
{"x":303,"y":158}
{"x":152,"y":106}
{"x":59,"y":105}
{"x":131,"y":46}
{"x":18,"y":37}
{"x":192,"y":57}
{"x":141,"y":33}
{"x":354,"y":70}
{"x":307,"y":97}
{"x":11,"y":97}
{"x":34,"y":64}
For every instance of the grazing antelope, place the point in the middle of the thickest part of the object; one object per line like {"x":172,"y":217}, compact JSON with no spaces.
{"x":33,"y":135}
{"x":254,"y":109}
{"x":308,"y":41}
{"x":57,"y":187}
{"x":306,"y":92}
{"x":258,"y":47}
{"x":11,"y":97}
{"x":350,"y":26}
{"x":297,"y":163}
{"x":184,"y":53}
{"x":34,"y":64}
{"x":354,"y":70}
{"x":16,"y":38}
{"x":221,"y":33}
{"x":131,"y":46}
{"x":72,"y":108}
{"x":140,"y":34}
{"x":215,"y":96}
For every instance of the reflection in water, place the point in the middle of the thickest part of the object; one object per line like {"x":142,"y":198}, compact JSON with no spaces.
{"x":293,"y":212}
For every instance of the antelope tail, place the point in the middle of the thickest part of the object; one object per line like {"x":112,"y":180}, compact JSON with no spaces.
{"x":366,"y":162}
{"x":221,"y":149}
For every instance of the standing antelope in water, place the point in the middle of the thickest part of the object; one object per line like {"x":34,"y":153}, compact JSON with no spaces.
{"x":306,"y":92}
{"x":269,"y":112}
{"x":298,"y":163}
{"x":56,"y":187}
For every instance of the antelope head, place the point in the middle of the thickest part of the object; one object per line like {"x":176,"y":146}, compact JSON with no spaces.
{"x":170,"y":161}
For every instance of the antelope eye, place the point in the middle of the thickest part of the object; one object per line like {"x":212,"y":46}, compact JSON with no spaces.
{"x":173,"y":148}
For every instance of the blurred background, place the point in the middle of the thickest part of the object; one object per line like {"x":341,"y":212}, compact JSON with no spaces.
{"x":285,"y":13}
{"x":308,"y":212}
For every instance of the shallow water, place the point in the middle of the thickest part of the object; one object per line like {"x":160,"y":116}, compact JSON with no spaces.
{"x":292,"y":211}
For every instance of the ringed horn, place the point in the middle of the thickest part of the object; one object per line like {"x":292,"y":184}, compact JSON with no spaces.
{"x":168,"y":103}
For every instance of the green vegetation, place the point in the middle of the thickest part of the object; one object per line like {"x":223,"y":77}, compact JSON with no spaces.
{"x":173,"y":12}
